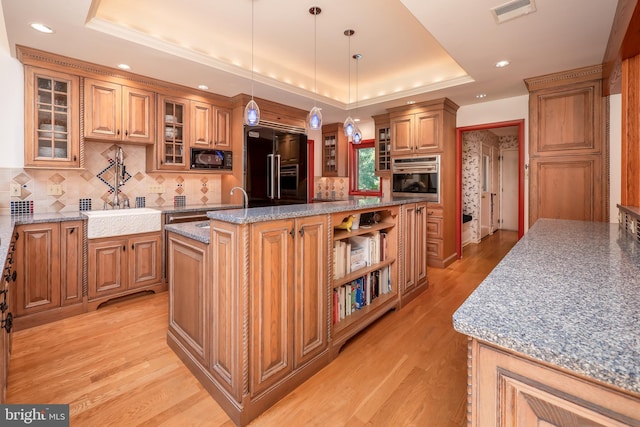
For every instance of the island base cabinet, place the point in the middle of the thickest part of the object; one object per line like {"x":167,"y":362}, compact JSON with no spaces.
{"x":508,"y":390}
{"x":188,"y":284}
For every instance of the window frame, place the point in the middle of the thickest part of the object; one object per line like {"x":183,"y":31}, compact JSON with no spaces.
{"x":353,"y":163}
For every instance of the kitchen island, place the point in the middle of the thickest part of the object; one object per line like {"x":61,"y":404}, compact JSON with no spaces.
{"x":554,"y":330}
{"x":257,"y":297}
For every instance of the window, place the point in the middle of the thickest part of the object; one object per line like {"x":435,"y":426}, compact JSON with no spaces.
{"x":363,"y":169}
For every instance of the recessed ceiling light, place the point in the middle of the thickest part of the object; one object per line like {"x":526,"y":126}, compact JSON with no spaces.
{"x":203,"y":87}
{"x":356,"y":120}
{"x":41,"y":27}
{"x":481,"y":95}
{"x":124,"y":67}
{"x":501,"y":64}
{"x":411,"y":102}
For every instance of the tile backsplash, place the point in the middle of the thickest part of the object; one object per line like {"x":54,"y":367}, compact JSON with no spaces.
{"x":58,"y":190}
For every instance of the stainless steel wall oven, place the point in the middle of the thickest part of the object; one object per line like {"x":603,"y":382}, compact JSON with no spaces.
{"x":416,"y":176}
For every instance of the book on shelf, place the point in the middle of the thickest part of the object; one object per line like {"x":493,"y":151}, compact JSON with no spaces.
{"x":360,"y":292}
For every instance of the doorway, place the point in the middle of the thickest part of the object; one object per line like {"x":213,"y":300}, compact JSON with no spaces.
{"x":490,"y":180}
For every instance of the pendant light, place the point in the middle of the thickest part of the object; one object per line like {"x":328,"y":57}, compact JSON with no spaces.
{"x":252,"y":111}
{"x":314,"y":119}
{"x":357,"y":134}
{"x":349,"y":124}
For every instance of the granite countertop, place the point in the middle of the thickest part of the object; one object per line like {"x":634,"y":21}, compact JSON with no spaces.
{"x":567,"y":294}
{"x":198,"y":230}
{"x":8,"y":222}
{"x":251,"y":215}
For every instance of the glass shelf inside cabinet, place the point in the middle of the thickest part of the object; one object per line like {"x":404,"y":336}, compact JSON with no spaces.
{"x":384,"y":149}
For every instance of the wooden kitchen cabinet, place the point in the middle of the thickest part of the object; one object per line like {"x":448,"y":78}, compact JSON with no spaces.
{"x":417,"y":133}
{"x":334,"y":151}
{"x":49,"y":264}
{"x":124,"y":264}
{"x":289,"y":299}
{"x":568,"y":152}
{"x":414,"y":249}
{"x":190,"y":286}
{"x":383,"y":145}
{"x":52,"y":119}
{"x":507,"y":389}
{"x":113,"y":112}
{"x":210,"y":126}
{"x":171,"y":151}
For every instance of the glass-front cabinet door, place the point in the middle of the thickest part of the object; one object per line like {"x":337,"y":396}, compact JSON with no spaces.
{"x":52,"y":107}
{"x":174,"y":119}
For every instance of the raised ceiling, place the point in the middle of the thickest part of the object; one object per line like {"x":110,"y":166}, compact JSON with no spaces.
{"x":411,"y":49}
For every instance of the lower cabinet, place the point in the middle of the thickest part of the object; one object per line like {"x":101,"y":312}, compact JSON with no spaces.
{"x":509,"y":390}
{"x":415,"y":249}
{"x":189,"y":284}
{"x":289,"y":297}
{"x":124,"y":264}
{"x":48,"y":261}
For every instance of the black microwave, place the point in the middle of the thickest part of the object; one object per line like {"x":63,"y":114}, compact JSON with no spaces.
{"x":206,"y":158}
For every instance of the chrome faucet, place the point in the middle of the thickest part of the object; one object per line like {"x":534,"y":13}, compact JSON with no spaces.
{"x":245,"y":203}
{"x":118,"y":179}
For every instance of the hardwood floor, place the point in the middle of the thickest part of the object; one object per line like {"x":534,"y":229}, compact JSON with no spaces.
{"x":114,"y":368}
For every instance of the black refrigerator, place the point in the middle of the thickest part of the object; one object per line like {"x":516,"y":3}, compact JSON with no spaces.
{"x":275,"y":167}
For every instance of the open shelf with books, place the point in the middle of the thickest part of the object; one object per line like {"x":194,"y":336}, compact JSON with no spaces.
{"x":364,"y":279}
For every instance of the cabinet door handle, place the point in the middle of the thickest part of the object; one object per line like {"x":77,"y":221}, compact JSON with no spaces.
{"x":132,"y":246}
{"x":72,"y":230}
{"x":293,"y":233}
{"x":301,"y":231}
{"x":75,"y":158}
{"x":124,"y":248}
{"x":118,"y":132}
{"x":126,"y":133}
{"x":17,"y":236}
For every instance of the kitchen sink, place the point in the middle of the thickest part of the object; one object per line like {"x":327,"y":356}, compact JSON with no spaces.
{"x":120,"y":222}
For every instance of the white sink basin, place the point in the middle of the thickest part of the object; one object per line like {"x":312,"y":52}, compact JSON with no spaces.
{"x":120,"y":222}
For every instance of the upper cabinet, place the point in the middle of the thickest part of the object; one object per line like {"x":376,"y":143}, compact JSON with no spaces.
{"x":173,"y":123}
{"x":416,"y":133}
{"x":52,"y":117}
{"x":114,"y":112}
{"x":334,"y":150}
{"x":210,"y":126}
{"x":383,"y":145}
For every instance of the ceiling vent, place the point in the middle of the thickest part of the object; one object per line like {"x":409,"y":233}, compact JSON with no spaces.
{"x":513,"y":9}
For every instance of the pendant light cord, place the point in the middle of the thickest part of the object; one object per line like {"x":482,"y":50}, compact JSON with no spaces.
{"x":315,"y":56}
{"x":252,"y":3}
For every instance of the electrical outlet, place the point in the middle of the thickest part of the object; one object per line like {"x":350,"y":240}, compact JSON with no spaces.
{"x":158,"y":188}
{"x":16,"y":190}
{"x":54,"y":189}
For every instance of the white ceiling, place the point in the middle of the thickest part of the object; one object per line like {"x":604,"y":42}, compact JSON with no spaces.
{"x":411,"y":49}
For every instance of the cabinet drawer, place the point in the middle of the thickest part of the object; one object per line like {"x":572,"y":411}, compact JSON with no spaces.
{"x":434,"y":212}
{"x":435,"y":227}
{"x":434,"y":248}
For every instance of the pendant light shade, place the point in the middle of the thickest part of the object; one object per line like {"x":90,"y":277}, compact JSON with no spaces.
{"x":314,"y":119}
{"x":349,"y":124}
{"x":357,"y":135}
{"x":251,"y":111}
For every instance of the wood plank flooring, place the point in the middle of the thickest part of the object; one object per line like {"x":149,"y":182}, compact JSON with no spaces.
{"x":114,"y":368}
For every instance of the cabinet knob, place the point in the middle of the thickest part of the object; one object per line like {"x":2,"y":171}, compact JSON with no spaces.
{"x":292,"y":233}
{"x":301,"y":231}
{"x":124,"y":248}
{"x":72,"y":230}
{"x":126,"y":133}
{"x":75,"y":158}
{"x":7,"y":323}
{"x":118,"y":132}
{"x":132,"y":246}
